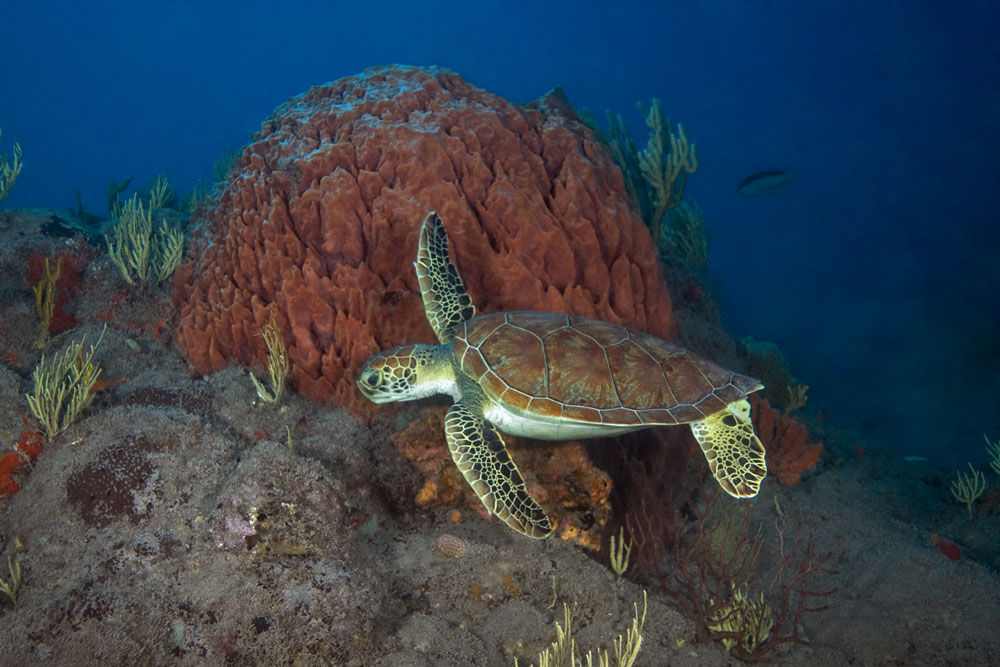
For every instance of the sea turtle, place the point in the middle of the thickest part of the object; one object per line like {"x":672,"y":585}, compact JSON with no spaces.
{"x":555,"y":377}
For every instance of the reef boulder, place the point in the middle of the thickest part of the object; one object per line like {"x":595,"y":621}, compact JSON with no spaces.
{"x":318,"y":222}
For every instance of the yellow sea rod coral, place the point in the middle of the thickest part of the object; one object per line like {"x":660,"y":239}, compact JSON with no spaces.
{"x":140,"y":253}
{"x":665,"y":169}
{"x":9,"y":170}
{"x":277,"y":364}
{"x":749,"y":621}
{"x":966,"y":489}
{"x":63,"y":386}
{"x":993,"y":449}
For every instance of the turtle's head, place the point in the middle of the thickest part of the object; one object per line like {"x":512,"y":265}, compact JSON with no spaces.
{"x":407,"y":373}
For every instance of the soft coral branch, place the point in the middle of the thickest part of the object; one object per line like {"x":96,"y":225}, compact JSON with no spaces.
{"x":784,"y":438}
{"x":710,"y":560}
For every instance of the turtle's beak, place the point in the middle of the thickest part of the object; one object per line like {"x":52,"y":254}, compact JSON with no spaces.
{"x":374,"y":395}
{"x":371,"y":384}
{"x":369,"y":392}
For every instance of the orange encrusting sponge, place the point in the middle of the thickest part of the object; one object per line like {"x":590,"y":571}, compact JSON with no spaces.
{"x":947,"y":547}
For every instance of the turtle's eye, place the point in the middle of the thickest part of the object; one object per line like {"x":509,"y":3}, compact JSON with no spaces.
{"x":372,"y":379}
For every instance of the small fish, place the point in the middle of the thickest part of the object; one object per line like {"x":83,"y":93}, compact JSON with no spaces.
{"x":765,"y":182}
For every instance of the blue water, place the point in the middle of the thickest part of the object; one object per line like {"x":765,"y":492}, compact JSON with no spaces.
{"x":876,"y":271}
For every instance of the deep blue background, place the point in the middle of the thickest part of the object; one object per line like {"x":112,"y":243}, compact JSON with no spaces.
{"x":876,"y":272}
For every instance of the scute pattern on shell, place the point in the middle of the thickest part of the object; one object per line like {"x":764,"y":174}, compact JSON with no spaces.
{"x":592,"y":371}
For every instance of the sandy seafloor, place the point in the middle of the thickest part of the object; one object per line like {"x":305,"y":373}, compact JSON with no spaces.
{"x":135,"y":548}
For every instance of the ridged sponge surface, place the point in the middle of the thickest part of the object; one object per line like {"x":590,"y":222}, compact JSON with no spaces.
{"x":318,"y":225}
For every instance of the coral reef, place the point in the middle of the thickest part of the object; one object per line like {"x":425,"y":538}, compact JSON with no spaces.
{"x":115,"y":189}
{"x":714,"y":561}
{"x":319,"y":223}
{"x":748,"y":620}
{"x":655,"y":178}
{"x":64,"y":386}
{"x":686,"y":241}
{"x":654,"y":477}
{"x":993,"y":451}
{"x":9,"y":170}
{"x":171,"y":525}
{"x":45,"y":302}
{"x":739,"y":587}
{"x":277,"y":365}
{"x":561,"y":477}
{"x":784,"y":438}
{"x":946,"y":547}
{"x":161,"y":195}
{"x":966,"y":489}
{"x":665,"y":170}
{"x":26,"y":450}
{"x":798,"y":396}
{"x":765,"y":361}
{"x":11,"y":588}
{"x":618,"y":554}
{"x":52,"y":288}
{"x":563,"y":650}
{"x":140,"y":254}
{"x":104,"y":490}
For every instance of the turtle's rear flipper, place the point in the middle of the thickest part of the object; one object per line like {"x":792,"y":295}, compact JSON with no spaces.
{"x":734,"y":452}
{"x":479,"y":452}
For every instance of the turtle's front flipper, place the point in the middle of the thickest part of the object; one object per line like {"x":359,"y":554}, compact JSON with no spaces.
{"x":480,"y":453}
{"x":446,"y":302}
{"x":734,"y":452}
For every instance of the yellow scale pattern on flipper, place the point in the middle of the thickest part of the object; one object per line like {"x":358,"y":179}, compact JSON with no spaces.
{"x":479,"y":452}
{"x":735,"y":454}
{"x":446,"y":302}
